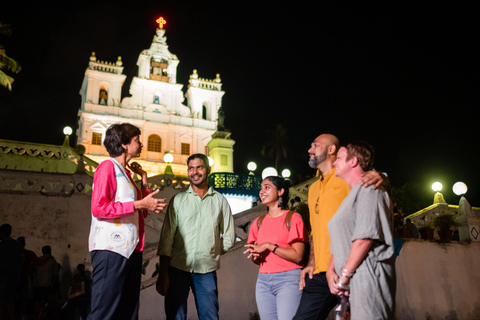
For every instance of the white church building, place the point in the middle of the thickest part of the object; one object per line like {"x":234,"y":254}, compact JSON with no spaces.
{"x":156,"y":106}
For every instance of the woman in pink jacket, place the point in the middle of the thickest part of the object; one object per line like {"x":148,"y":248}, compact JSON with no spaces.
{"x":116,"y":240}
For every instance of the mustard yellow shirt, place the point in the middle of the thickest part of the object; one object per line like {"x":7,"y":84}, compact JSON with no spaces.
{"x":324,"y":197}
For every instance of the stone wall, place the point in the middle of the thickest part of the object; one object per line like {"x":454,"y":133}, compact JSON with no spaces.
{"x":434,"y":281}
{"x":438,"y":281}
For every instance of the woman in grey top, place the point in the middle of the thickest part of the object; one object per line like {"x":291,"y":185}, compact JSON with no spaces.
{"x":362,"y":264}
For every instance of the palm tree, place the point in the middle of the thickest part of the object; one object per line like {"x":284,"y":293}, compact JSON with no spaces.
{"x":277,"y":144}
{"x":7,"y":63}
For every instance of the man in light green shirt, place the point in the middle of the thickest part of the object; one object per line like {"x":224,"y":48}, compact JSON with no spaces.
{"x":198,"y":228}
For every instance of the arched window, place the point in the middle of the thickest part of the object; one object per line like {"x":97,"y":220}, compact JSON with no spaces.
{"x":204,"y":112}
{"x":154,"y":143}
{"x":103,"y":96}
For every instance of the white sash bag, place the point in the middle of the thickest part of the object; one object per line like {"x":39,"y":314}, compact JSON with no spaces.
{"x":119,"y":235}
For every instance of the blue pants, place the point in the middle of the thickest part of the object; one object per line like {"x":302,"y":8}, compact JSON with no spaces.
{"x":116,"y":285}
{"x":204,"y":288}
{"x":317,"y":301}
{"x":278,"y":295}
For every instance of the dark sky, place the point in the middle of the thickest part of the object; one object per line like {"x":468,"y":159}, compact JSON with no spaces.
{"x":401,"y":76}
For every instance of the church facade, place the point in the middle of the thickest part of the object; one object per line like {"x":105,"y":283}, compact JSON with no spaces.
{"x":156,"y":106}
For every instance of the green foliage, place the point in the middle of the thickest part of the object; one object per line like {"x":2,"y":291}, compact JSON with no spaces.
{"x":405,"y":199}
{"x":445,"y":220}
{"x":276,"y":145}
{"x":426,"y":226}
{"x":6,"y":63}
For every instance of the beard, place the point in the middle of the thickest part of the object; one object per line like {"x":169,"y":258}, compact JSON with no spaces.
{"x":313,"y":163}
{"x":197,"y":180}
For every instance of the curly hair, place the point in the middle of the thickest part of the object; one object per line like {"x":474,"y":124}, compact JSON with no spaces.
{"x":118,"y":134}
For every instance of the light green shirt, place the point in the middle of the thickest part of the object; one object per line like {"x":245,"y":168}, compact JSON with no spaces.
{"x":196,"y":231}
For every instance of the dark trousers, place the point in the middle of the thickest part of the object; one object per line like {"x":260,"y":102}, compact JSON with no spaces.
{"x":204,"y":288}
{"x":116,"y":285}
{"x":317,"y":301}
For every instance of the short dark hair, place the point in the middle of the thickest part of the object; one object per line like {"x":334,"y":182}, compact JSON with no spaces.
{"x":81,"y":268}
{"x":200,"y":156}
{"x":118,"y":134}
{"x":6,"y":229}
{"x":21,"y":240}
{"x":364,"y":153}
{"x":281,"y":183}
{"x":47,"y":250}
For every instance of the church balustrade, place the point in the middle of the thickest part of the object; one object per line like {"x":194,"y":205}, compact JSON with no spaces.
{"x":105,"y":67}
{"x":51,"y":184}
{"x":16,"y":155}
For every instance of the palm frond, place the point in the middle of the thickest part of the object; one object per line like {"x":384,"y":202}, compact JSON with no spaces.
{"x":9,"y":64}
{"x":6,"y":80}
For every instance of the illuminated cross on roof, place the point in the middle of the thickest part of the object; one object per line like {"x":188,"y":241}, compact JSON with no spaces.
{"x":161,"y":22}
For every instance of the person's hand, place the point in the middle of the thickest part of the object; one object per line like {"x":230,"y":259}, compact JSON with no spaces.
{"x":372,"y":178}
{"x":163,"y":282}
{"x":137,"y":168}
{"x":307,"y":270}
{"x":332,"y":279}
{"x":255,"y":249}
{"x":153,"y":204}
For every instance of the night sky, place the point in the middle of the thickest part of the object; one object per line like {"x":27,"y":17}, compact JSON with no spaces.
{"x":400,"y":76}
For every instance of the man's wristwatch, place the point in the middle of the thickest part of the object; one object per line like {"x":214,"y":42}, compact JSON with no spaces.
{"x":275,"y":247}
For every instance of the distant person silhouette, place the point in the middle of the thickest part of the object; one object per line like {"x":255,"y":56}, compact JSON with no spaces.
{"x":45,"y":280}
{"x":79,"y":293}
{"x":28,"y":259}
{"x":9,"y":271}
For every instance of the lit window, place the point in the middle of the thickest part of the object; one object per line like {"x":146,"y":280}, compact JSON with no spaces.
{"x":97,"y":138}
{"x":103,"y":97}
{"x":154,"y":143}
{"x":186,"y":149}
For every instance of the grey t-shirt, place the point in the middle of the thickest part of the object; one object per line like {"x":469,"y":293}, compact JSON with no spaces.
{"x":367,"y":214}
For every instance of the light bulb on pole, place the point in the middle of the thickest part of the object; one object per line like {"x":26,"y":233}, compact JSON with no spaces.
{"x":67,"y":131}
{"x":269,"y":171}
{"x":437,"y":186}
{"x":460,"y":188}
{"x":286,"y":173}
{"x":251,"y":166}
{"x":168,"y":158}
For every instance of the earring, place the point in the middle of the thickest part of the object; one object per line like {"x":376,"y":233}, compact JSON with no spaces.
{"x":280,"y":202}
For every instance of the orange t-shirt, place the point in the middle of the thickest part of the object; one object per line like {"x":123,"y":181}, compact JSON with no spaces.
{"x":324,"y":197}
{"x":275,"y":231}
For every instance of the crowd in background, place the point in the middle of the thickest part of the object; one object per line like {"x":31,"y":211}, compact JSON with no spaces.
{"x":29,"y":284}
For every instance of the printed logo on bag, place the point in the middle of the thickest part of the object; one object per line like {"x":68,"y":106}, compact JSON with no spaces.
{"x":117,"y":237}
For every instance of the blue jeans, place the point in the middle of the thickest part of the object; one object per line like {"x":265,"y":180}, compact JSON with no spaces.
{"x":204,"y":288}
{"x":278,"y":295}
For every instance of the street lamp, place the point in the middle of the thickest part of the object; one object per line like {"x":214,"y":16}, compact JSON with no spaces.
{"x":286,"y":173}
{"x":67,"y":131}
{"x":438,"y":197}
{"x":437,"y":186}
{"x":269,"y":171}
{"x":251,"y":166}
{"x":460,"y":188}
{"x":168,"y":158}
